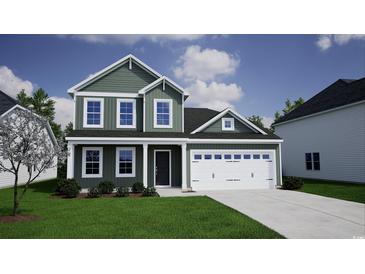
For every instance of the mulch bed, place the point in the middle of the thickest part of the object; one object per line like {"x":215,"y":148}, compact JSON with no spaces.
{"x":84,"y":196}
{"x":18,"y":218}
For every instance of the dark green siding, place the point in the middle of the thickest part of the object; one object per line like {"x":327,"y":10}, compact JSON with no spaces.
{"x":175,"y":163}
{"x":233,"y":146}
{"x":238,"y":126}
{"x":110,"y":114}
{"x":122,"y":79}
{"x":177,"y":104}
{"x":109,"y":152}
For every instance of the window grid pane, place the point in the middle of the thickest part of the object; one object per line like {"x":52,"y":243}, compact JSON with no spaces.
{"x":125,"y":161}
{"x":93,"y":112}
{"x":126,"y":113}
{"x":163,"y":113}
{"x":92,"y":161}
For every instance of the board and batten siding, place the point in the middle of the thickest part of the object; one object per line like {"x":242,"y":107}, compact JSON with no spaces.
{"x":232,"y":146}
{"x":177,"y":105}
{"x":110,"y":114}
{"x":239,"y":127}
{"x":339,"y":137}
{"x":122,"y":79}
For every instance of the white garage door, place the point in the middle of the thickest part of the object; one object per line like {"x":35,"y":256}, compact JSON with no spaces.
{"x":232,"y":169}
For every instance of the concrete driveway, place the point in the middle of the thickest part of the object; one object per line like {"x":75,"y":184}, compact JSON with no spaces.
{"x":295,"y":214}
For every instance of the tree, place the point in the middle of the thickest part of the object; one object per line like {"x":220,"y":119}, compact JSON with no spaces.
{"x":25,"y":142}
{"x":62,"y":166}
{"x":289,"y":106}
{"x":257,"y":120}
{"x":41,"y":104}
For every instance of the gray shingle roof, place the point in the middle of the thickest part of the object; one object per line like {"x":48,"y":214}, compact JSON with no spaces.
{"x":340,"y":93}
{"x":6,"y":102}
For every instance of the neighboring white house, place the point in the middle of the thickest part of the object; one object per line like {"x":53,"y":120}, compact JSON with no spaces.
{"x":7,"y":106}
{"x":325,"y":137}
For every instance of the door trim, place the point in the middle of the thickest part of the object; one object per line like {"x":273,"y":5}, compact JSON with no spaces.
{"x":154,"y":167}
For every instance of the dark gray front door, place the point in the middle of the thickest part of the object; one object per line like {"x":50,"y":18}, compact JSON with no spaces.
{"x":162,"y":168}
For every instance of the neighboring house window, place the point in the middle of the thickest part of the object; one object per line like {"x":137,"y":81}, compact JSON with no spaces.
{"x":316,"y":163}
{"x":308,"y":161}
{"x":126,"y":113}
{"x":227,"y":124}
{"x":125,"y":162}
{"x":92,"y":162}
{"x":93,"y":112}
{"x":163,"y":113}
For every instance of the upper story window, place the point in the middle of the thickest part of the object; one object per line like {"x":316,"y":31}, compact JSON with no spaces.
{"x":94,"y":112}
{"x":92,"y":162}
{"x":227,"y":124}
{"x":126,"y":113}
{"x":163,"y":113}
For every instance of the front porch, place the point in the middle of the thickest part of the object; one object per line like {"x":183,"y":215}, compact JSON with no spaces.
{"x":160,"y":165}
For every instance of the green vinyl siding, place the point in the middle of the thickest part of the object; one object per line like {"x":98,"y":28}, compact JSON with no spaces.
{"x":175,"y":164}
{"x":122,"y":79}
{"x":177,"y":105}
{"x":109,"y":153}
{"x":239,"y":127}
{"x":110,"y":114}
{"x":233,"y":146}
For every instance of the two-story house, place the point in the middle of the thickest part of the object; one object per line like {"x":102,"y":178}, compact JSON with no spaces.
{"x":131,"y":125}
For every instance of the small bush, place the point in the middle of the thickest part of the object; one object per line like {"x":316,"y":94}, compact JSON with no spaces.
{"x":106,"y":187}
{"x":291,"y":183}
{"x":94,"y":192}
{"x":60,"y":187}
{"x":122,"y":192}
{"x":70,"y":188}
{"x":149,"y":191}
{"x":137,"y":187}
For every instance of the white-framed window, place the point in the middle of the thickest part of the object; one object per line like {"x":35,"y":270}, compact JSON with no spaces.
{"x":227,"y":123}
{"x":126,"y":113}
{"x":92,"y":162}
{"x":125,"y":162}
{"x":94,"y":112}
{"x":163,"y":113}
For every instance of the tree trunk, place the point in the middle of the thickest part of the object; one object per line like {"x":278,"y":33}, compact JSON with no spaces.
{"x":15,"y":202}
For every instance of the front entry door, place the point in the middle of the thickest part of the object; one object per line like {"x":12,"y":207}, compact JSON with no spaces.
{"x":162,"y":168}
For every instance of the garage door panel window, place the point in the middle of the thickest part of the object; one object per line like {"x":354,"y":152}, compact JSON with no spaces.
{"x":266,"y":156}
{"x":237,"y":156}
{"x":256,"y":156}
{"x":247,"y":156}
{"x":227,"y":156}
{"x":207,"y":156}
{"x":217,"y":156}
{"x":197,"y":157}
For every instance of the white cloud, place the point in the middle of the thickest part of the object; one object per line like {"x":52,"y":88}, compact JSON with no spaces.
{"x":267,"y":121}
{"x":324,"y":42}
{"x":214,"y":95}
{"x":64,"y":110}
{"x":205,"y":64}
{"x":11,"y":84}
{"x":131,"y":39}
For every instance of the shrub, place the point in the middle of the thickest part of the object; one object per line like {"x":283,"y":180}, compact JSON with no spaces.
{"x":149,"y":191}
{"x":106,"y":187}
{"x":137,"y":187}
{"x":60,"y":187}
{"x":94,"y":192}
{"x":291,"y":183}
{"x":70,"y":188}
{"x":122,"y":192}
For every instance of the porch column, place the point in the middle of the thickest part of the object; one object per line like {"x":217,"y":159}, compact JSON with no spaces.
{"x":184,"y":186}
{"x":70,"y":160}
{"x":145,"y":167}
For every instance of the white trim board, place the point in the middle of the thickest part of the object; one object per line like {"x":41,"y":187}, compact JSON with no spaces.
{"x":108,"y":94}
{"x":111,"y":67}
{"x":235,"y":115}
{"x":320,"y":113}
{"x":164,"y":80}
{"x":154,"y":166}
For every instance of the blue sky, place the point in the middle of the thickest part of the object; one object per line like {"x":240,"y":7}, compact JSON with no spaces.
{"x":255,"y":74}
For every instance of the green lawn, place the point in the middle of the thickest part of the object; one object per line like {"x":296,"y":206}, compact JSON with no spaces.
{"x":152,"y":217}
{"x":344,"y":191}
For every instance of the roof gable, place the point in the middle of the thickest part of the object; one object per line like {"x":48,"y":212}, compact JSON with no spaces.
{"x":239,"y":127}
{"x":6,"y":102}
{"x":131,"y":62}
{"x":340,"y":93}
{"x":164,"y":81}
{"x":234,"y":114}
